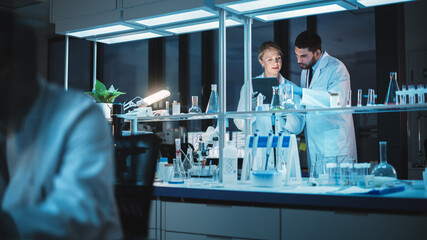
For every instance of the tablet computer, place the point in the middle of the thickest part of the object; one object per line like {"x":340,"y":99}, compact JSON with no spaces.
{"x":265,"y":87}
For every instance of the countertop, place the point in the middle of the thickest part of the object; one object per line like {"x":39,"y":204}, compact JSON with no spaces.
{"x":412,"y":200}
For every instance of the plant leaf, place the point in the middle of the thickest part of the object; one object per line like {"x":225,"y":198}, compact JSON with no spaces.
{"x":99,"y":86}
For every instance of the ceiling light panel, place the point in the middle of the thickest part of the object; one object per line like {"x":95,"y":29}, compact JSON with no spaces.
{"x":176,"y":18}
{"x":370,"y":3}
{"x":256,"y":5}
{"x":100,"y":30}
{"x":128,"y":37}
{"x":299,"y":12}
{"x":202,"y":26}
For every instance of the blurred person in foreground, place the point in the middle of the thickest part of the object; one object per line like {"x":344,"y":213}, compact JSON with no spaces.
{"x":56,"y":152}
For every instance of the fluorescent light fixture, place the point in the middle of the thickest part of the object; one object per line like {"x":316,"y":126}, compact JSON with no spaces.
{"x":154,"y":98}
{"x":174,"y":18}
{"x":100,"y":30}
{"x":129,"y":37}
{"x":370,"y":3}
{"x":301,"y":12}
{"x":202,"y":26}
{"x":260,"y":4}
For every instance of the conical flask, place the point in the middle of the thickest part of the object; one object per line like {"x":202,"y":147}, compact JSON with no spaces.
{"x":289,"y":102}
{"x":392,"y":88}
{"x":177,"y":176}
{"x":213,"y":101}
{"x":275,"y":99}
{"x":383,"y":171}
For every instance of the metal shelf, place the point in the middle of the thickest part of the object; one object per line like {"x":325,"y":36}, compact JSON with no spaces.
{"x":381,"y":108}
{"x":180,"y":117}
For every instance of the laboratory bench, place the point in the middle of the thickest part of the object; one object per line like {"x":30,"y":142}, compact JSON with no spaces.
{"x":184,"y":211}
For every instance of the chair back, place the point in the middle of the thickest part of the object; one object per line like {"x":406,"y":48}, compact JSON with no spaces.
{"x":136,"y":158}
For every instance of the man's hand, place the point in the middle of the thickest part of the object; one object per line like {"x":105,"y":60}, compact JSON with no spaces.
{"x":297,"y":91}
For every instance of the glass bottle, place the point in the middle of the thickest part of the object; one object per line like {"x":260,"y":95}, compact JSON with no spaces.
{"x":383,"y":171}
{"x":213,"y":100}
{"x":275,"y":100}
{"x":194,"y":105}
{"x":288,"y":101}
{"x":392,"y":88}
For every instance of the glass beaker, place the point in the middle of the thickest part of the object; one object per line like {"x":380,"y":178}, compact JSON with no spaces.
{"x":392,"y":88}
{"x":194,"y":105}
{"x":275,"y":100}
{"x":213,"y":105}
{"x":177,"y":176}
{"x":383,"y":171}
{"x":288,"y":101}
{"x":176,"y":108}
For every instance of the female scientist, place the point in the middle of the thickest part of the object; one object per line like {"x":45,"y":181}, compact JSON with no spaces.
{"x":270,"y":58}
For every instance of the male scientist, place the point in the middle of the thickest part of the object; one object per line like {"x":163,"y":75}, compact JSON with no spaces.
{"x":330,"y":135}
{"x":56,"y":152}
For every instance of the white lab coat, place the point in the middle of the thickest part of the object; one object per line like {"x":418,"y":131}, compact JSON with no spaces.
{"x":61,"y":170}
{"x":292,"y":124}
{"x":328,"y":134}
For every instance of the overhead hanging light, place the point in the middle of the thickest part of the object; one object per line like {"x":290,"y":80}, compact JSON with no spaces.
{"x":176,"y":18}
{"x":371,"y":3}
{"x":100,"y":31}
{"x":277,"y":15}
{"x":248,"y":6}
{"x":129,"y":37}
{"x":201,"y":26}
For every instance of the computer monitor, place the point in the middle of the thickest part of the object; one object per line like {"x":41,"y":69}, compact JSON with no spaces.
{"x":264,"y":86}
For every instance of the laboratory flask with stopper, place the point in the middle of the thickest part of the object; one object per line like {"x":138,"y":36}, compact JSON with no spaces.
{"x":213,"y":100}
{"x":275,"y":99}
{"x":194,"y":105}
{"x":392,"y":88}
{"x":383,"y":171}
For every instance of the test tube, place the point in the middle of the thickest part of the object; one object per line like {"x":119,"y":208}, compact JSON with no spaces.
{"x":359,"y":97}
{"x":371,"y":97}
{"x":398,"y":96}
{"x":403,"y":95}
{"x":348,"y":99}
{"x":411,"y":90}
{"x":420,"y":93}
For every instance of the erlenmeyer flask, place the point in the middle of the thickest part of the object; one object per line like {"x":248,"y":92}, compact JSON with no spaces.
{"x":177,"y":176}
{"x":383,"y":171}
{"x":213,"y":101}
{"x":392,"y":88}
{"x":288,"y":101}
{"x":275,"y":100}
{"x":194,"y":105}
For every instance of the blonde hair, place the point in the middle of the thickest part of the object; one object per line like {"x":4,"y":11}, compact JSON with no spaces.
{"x":266,"y":45}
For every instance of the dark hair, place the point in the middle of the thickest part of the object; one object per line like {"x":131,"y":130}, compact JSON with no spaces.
{"x":309,"y":40}
{"x":266,"y":45}
{"x":18,"y":63}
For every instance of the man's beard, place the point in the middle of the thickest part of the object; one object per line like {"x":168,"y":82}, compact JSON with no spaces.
{"x":309,"y":65}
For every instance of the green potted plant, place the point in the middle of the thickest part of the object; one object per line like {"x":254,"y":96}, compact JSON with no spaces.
{"x":104,"y":97}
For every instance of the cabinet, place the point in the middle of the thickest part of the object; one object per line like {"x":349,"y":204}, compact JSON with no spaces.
{"x":188,"y":220}
{"x":81,"y":14}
